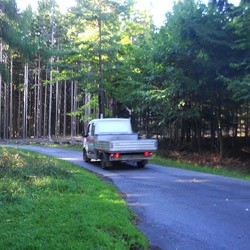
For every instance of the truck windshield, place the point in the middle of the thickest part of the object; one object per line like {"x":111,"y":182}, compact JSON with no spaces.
{"x":122,"y":127}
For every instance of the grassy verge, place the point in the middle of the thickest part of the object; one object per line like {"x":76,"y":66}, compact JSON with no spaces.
{"x":65,"y":146}
{"x":205,"y":169}
{"x":46,"y":203}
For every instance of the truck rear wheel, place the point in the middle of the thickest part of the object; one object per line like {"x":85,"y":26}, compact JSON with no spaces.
{"x":105,"y":164}
{"x":141,"y":164}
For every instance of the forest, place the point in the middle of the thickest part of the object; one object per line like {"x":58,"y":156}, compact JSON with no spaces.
{"x":186,"y":83}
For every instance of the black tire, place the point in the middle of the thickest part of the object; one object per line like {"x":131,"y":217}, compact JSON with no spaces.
{"x":104,"y":162}
{"x":141,"y":164}
{"x":85,"y":157}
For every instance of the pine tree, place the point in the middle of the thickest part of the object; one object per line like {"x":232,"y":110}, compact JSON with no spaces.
{"x":102,"y":21}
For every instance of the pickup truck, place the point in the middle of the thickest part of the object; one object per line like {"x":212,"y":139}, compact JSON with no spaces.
{"x":112,"y":140}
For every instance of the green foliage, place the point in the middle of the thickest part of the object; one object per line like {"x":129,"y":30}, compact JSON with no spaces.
{"x":4,"y":71}
{"x":177,"y":71}
{"x":15,"y":29}
{"x":98,"y":44}
{"x":48,"y":203}
{"x":238,"y":84}
{"x":192,"y":74}
{"x":8,"y":8}
{"x":240,"y":89}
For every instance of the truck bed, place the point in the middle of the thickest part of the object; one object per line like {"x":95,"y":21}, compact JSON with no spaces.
{"x":126,"y":146}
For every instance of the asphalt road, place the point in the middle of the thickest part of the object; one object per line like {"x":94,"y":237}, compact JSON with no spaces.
{"x":179,"y":209}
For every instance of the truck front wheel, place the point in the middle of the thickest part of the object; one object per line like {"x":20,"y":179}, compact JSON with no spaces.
{"x":85,"y":157}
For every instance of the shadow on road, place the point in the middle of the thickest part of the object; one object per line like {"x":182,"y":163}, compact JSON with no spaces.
{"x":128,"y":166}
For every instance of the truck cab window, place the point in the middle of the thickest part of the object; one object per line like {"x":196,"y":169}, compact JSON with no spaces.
{"x":88,"y":130}
{"x":93,"y":129}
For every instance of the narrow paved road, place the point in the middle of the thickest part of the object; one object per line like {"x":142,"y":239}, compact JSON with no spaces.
{"x":179,"y":209}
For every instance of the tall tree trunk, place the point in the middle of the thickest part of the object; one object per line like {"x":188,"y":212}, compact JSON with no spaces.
{"x":40,"y":106}
{"x":212,"y":132}
{"x":57,"y":99}
{"x":220,"y":126}
{"x":5,"y":125}
{"x":5,"y":112}
{"x":25,"y":101}
{"x":19,"y":113}
{"x":56,"y":115}
{"x":59,"y":108}
{"x":235,"y":134}
{"x":198,"y":134}
{"x":1,"y":56}
{"x":72,"y":108}
{"x":7,"y":109}
{"x":51,"y":78}
{"x":11,"y":97}
{"x":50,"y":105}
{"x":75,"y":107}
{"x":15,"y":107}
{"x":87,"y":111}
{"x":64,"y":110}
{"x":29,"y":108}
{"x":45,"y":109}
{"x":102,"y":108}
{"x":36,"y":118}
{"x":35,"y":108}
{"x":39,"y":100}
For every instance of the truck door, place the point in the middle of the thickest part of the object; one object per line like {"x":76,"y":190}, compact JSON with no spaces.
{"x":90,"y":141}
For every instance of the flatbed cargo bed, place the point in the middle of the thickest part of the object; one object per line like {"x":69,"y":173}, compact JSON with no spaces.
{"x":126,"y":146}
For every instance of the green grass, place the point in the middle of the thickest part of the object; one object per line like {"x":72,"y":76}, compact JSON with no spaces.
{"x":46,"y":203}
{"x":205,"y":169}
{"x":64,"y":146}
